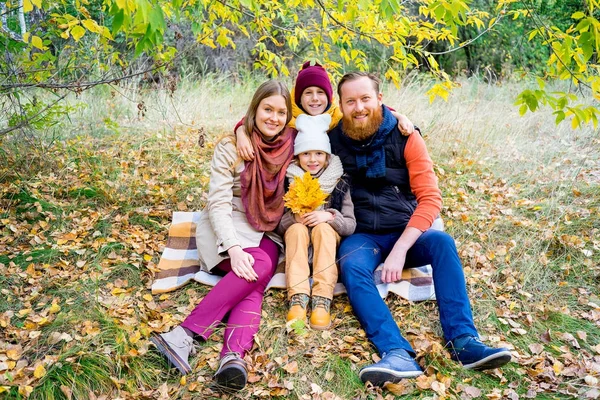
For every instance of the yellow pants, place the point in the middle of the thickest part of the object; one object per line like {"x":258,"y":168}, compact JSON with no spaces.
{"x":324,"y":240}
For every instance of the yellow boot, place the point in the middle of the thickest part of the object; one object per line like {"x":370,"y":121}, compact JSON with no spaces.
{"x":320,"y":318}
{"x":298,"y":304}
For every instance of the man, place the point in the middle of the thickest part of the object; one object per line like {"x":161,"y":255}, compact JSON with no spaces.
{"x":396,"y":199}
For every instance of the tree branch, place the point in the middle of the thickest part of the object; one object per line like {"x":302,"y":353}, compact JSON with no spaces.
{"x":28,"y":121}
{"x":77,"y":85}
{"x":468,"y":42}
{"x":537,"y":21}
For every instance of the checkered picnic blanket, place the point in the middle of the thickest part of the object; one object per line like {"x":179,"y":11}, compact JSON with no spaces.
{"x":179,"y":264}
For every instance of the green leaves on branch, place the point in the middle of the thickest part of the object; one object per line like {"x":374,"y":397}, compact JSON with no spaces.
{"x":574,"y":57}
{"x":95,"y":37}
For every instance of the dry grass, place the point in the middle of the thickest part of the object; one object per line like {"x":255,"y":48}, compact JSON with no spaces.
{"x":521,"y":198}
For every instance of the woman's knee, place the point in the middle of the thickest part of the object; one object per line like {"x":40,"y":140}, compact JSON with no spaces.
{"x":264,"y":266}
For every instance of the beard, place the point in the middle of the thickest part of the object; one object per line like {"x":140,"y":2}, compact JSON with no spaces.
{"x":364,"y":129}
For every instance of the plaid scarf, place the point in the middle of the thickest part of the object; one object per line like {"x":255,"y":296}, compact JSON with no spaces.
{"x":263,"y":179}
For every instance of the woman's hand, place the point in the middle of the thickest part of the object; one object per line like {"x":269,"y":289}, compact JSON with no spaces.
{"x":242,"y":264}
{"x":244,"y":147}
{"x":404,"y":124}
{"x":316,"y":217}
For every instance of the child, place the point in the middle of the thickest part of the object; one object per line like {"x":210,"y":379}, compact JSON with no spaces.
{"x":235,"y":238}
{"x":322,"y":228}
{"x":312,"y":95}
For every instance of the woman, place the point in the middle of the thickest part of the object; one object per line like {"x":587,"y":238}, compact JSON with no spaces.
{"x":235,"y":238}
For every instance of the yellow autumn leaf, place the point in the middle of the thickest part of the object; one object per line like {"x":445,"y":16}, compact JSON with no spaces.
{"x":304,"y":195}
{"x":27,"y":6}
{"x":54,"y":308}
{"x":13,"y":354}
{"x":24,"y":312}
{"x":77,"y":32}
{"x":91,"y":25}
{"x":39,"y":371}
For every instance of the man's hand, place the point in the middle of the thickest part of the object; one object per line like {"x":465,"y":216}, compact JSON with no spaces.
{"x":242,"y":264}
{"x":244,"y":147}
{"x":394,"y":263}
{"x":393,"y":266}
{"x":316,"y":217}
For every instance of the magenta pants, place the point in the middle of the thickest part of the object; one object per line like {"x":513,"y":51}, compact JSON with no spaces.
{"x":237,"y":300}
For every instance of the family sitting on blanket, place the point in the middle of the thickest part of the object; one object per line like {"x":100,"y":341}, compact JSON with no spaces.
{"x":396,"y":200}
{"x":314,"y":113}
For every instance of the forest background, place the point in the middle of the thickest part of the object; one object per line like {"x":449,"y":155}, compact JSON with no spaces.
{"x":108,"y":115}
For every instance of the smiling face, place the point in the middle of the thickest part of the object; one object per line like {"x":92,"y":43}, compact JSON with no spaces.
{"x":361,"y":106}
{"x":313,"y":161}
{"x":314,"y":100}
{"x":271,"y":116}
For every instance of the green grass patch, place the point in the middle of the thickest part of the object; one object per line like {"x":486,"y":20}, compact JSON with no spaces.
{"x":42,"y":255}
{"x":25,"y":201}
{"x":147,"y":222}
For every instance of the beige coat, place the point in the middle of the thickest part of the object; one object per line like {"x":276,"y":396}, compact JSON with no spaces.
{"x":223,"y":223}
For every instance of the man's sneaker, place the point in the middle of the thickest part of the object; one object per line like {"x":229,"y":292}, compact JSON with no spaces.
{"x":232,"y":372}
{"x":395,"y":365}
{"x":176,"y":346}
{"x":473,"y":354}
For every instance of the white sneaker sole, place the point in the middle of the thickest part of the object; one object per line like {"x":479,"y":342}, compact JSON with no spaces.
{"x":490,"y":362}
{"x":379,"y":376}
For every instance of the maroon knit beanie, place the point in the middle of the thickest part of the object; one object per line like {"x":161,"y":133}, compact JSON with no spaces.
{"x":312,"y":76}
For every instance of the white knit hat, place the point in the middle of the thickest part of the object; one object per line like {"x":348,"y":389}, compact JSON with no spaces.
{"x":312,"y":133}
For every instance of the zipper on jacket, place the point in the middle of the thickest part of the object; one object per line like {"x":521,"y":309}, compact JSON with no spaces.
{"x":375,"y":212}
{"x":403,"y":199}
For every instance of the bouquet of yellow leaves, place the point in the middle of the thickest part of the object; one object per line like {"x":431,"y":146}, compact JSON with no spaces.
{"x":305,"y":194}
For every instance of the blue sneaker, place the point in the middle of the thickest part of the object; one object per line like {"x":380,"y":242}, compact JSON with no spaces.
{"x":473,"y":354}
{"x":395,"y":365}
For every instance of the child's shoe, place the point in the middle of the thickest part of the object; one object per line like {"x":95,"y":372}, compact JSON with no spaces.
{"x":298,"y":304}
{"x":320,"y":318}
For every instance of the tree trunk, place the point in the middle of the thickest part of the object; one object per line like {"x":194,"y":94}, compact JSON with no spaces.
{"x":22,"y":18}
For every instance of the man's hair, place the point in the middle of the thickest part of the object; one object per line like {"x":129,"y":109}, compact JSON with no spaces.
{"x":352,"y":76}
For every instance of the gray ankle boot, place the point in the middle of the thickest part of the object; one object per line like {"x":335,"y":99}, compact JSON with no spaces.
{"x":176,"y":346}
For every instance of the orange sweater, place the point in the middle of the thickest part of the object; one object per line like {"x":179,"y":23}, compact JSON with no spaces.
{"x":423,"y":183}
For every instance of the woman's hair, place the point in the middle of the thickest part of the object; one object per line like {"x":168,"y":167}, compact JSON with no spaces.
{"x":267,"y":89}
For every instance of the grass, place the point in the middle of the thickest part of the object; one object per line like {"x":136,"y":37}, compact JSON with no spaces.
{"x":85,"y":212}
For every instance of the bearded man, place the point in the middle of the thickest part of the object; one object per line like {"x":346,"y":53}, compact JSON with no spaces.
{"x":396,"y":199}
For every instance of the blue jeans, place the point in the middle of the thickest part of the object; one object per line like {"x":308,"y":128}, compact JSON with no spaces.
{"x":360,"y":254}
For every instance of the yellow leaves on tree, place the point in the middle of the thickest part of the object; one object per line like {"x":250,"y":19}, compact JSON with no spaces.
{"x":305,"y":195}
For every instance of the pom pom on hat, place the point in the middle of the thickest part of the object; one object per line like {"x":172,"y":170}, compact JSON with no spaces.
{"x":312,"y":75}
{"x":312,"y":133}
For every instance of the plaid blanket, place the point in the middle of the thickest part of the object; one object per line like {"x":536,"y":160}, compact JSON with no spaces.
{"x":179,"y":264}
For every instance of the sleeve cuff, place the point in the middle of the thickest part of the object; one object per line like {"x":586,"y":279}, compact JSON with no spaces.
{"x":337,"y":222}
{"x":420,"y":223}
{"x":226,"y":244}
